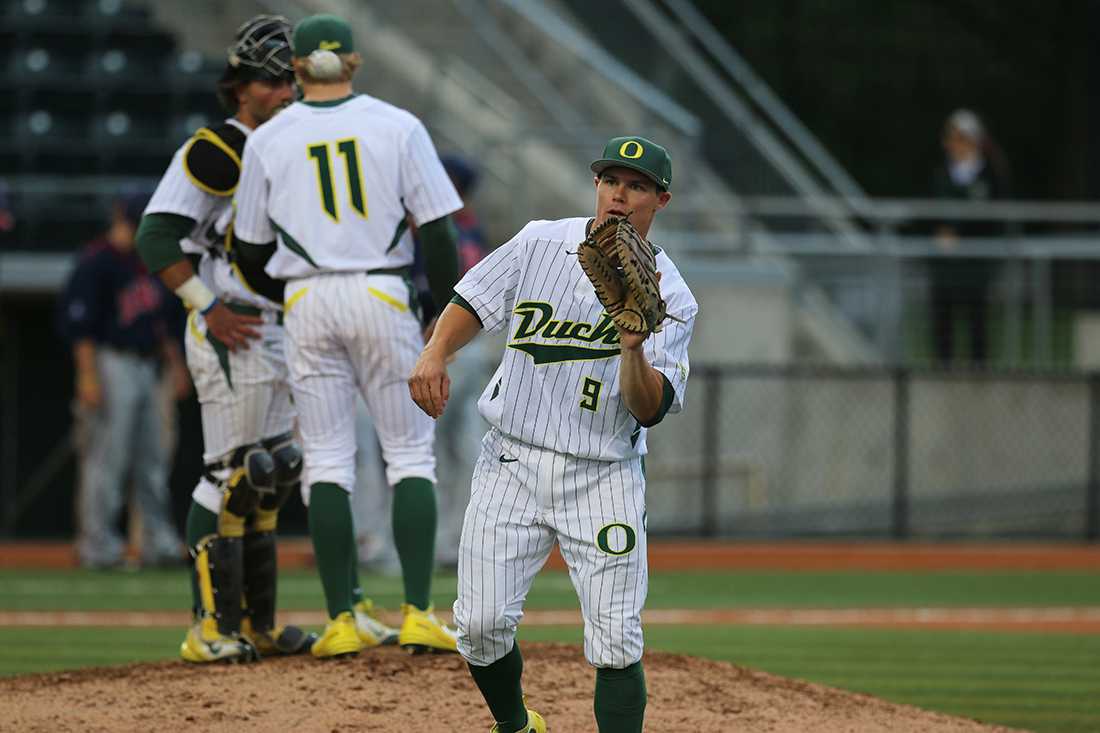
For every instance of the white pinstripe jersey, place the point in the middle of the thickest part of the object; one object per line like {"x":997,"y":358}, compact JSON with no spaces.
{"x":557,"y":385}
{"x":178,"y":193}
{"x":331,"y":182}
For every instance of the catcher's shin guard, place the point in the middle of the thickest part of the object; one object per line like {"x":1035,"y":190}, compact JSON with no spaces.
{"x":260,"y":578}
{"x":219,"y":567}
{"x":261,"y":558}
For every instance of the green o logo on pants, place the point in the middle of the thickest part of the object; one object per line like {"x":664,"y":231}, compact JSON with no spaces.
{"x":616,"y":539}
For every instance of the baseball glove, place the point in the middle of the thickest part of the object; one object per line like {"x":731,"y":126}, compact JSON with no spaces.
{"x":622,"y":266}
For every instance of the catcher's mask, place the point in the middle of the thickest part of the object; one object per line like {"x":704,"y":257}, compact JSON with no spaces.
{"x":261,"y":52}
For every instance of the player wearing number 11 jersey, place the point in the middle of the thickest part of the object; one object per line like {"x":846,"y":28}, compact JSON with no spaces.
{"x":326,"y":191}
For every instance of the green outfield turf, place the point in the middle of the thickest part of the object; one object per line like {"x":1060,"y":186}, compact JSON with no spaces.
{"x":301,"y":590}
{"x":1041,"y":682}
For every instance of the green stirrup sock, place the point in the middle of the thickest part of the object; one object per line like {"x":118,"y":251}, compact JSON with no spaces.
{"x":500,"y":686}
{"x":620,"y":699}
{"x":333,"y":537}
{"x":414,"y":521}
{"x":357,"y":593}
{"x":200,"y":523}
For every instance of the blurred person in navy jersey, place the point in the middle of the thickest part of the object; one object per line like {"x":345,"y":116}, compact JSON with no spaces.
{"x":120,"y":323}
{"x":472,"y":245}
{"x":973,"y":169}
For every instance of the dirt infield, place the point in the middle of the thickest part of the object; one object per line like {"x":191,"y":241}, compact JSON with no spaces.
{"x":387,"y":690}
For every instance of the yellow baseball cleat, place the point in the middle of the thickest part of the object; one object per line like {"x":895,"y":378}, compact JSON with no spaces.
{"x":372,"y":632}
{"x":341,"y":639}
{"x":535,"y":724}
{"x":203,"y":644}
{"x":422,"y":632}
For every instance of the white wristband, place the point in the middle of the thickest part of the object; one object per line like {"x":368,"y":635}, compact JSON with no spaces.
{"x":195,"y":294}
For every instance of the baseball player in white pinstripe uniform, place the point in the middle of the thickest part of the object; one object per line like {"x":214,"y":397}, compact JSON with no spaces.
{"x":234,"y":343}
{"x":328,"y":187}
{"x":569,"y":407}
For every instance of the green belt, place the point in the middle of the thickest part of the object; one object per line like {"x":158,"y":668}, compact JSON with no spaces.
{"x":251,"y":310}
{"x":401,"y":271}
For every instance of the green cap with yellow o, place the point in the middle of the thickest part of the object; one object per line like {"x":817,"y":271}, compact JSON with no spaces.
{"x":637,"y":153}
{"x":324,"y":33}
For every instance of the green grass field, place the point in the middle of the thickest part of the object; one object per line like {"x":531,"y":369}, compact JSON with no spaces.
{"x":1037,"y":681}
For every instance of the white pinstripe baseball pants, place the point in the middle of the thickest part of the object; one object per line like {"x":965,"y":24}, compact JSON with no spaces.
{"x":522,"y":499}
{"x":250,"y":403}
{"x":351,"y":332}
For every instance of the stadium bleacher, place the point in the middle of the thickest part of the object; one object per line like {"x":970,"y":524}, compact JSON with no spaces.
{"x":100,"y":97}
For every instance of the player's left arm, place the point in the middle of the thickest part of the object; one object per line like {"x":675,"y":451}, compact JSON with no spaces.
{"x":251,"y":220}
{"x":251,"y":260}
{"x":653,"y":368}
{"x":430,"y":198}
{"x":251,"y":239}
{"x":439,"y":240}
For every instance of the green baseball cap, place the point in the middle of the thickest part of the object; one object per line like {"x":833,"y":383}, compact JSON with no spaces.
{"x":637,"y":153}
{"x":324,"y":32}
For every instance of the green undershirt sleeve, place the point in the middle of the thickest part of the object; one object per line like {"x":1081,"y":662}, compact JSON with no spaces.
{"x":158,"y":239}
{"x":462,"y":302}
{"x":251,"y":259}
{"x":667,"y":395}
{"x":438,"y":238}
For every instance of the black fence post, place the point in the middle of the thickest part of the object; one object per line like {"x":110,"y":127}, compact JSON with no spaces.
{"x":901,"y":453}
{"x":708,"y":523}
{"x":1092,"y":491}
{"x":9,"y":423}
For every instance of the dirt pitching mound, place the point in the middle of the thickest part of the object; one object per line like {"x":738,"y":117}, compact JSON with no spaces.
{"x":386,"y":690}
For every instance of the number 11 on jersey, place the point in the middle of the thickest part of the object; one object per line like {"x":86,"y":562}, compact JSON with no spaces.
{"x":357,"y":197}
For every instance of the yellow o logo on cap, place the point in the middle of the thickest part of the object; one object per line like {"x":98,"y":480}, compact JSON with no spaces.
{"x":635,"y":152}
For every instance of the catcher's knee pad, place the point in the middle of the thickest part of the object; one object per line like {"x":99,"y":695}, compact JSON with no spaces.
{"x":286,"y":457}
{"x":246,"y":477}
{"x":219,"y":574}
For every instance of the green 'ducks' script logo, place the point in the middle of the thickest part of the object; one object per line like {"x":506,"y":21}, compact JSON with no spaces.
{"x":537,"y":319}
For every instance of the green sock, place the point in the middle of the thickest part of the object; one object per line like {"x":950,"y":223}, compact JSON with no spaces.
{"x":620,"y":699}
{"x":356,"y":587}
{"x":333,"y":543}
{"x":500,"y":686}
{"x":200,"y":523}
{"x":414,"y":521}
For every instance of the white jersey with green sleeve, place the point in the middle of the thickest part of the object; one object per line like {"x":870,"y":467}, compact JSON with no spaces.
{"x":333,"y":182}
{"x":557,"y":386}
{"x":180,"y":192}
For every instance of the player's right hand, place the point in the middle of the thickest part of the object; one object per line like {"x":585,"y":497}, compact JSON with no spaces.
{"x":234,"y":330}
{"x":429,"y":385}
{"x":89,"y":392}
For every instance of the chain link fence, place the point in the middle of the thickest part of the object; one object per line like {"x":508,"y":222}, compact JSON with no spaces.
{"x":811,"y":451}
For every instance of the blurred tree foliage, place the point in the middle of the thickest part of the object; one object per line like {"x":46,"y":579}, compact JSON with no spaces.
{"x":874,"y":80}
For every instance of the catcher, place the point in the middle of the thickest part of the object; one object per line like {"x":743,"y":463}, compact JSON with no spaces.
{"x":593,"y":360}
{"x":234,"y":346}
